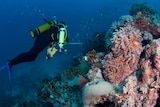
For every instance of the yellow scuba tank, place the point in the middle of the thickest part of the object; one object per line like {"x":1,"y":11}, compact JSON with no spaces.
{"x":62,"y":36}
{"x":42,"y":28}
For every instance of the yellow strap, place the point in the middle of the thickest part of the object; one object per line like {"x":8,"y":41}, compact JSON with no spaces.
{"x":52,"y":36}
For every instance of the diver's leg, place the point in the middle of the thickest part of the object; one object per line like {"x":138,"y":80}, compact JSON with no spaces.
{"x":23,"y":57}
{"x":41,"y":43}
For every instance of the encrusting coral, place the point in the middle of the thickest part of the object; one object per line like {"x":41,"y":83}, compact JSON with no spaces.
{"x":97,"y":90}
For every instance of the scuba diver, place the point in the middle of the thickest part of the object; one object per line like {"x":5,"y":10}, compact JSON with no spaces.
{"x":51,"y":34}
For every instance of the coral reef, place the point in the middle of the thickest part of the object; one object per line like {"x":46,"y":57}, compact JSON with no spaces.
{"x":136,"y":95}
{"x":123,"y":21}
{"x":122,"y":61}
{"x":142,"y":22}
{"x":58,"y":93}
{"x":145,"y":19}
{"x":142,"y":90}
{"x":94,"y":58}
{"x":97,"y":90}
{"x":143,"y":7}
{"x":126,"y":72}
{"x":70,"y":73}
{"x":132,"y":65}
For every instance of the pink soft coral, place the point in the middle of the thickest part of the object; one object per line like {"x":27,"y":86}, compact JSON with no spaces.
{"x":123,"y":59}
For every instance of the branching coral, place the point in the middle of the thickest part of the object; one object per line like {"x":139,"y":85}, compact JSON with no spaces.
{"x":94,"y":59}
{"x":151,"y":50}
{"x":137,"y":95}
{"x":144,"y":92}
{"x":148,"y":75}
{"x":142,"y":22}
{"x":123,"y":59}
{"x":129,"y":97}
{"x":124,"y":21}
{"x":145,"y":18}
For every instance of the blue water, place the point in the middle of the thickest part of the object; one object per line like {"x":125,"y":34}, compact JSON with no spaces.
{"x":83,"y":18}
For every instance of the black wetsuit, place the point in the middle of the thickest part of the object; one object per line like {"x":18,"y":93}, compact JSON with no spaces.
{"x":41,"y":42}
